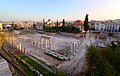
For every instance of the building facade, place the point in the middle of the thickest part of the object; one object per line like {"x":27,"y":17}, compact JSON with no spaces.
{"x":107,"y":26}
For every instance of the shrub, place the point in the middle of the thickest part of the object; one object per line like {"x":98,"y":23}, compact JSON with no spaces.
{"x":68,"y":29}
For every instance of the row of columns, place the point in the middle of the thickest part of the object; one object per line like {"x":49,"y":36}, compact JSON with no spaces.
{"x":45,"y":42}
{"x":74,"y":47}
{"x":12,"y":41}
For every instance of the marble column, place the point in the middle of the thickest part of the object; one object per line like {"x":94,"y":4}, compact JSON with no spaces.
{"x":32,"y":42}
{"x":50,"y":45}
{"x":13,"y":41}
{"x":72,"y":48}
{"x":17,"y":46}
{"x":10,"y":40}
{"x":20,"y":47}
{"x":75,"y":46}
{"x":42,"y":44}
{"x":46,"y":44}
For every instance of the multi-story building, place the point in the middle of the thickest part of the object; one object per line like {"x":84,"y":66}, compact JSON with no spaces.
{"x":108,"y":26}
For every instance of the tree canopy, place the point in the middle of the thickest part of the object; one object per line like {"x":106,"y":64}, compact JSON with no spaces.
{"x":63,"y":22}
{"x":104,"y":61}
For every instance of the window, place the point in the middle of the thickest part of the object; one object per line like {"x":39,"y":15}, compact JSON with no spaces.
{"x":101,"y":29}
{"x":105,"y":29}
{"x":114,"y":26}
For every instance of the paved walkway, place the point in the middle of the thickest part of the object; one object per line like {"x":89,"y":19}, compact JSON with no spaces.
{"x":4,"y":68}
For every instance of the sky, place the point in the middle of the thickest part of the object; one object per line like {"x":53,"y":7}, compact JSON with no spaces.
{"x":36,"y":10}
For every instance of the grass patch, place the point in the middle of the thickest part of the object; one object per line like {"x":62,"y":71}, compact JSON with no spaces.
{"x":25,"y":69}
{"x":34,"y":64}
{"x":37,"y":66}
{"x":26,"y":32}
{"x":18,"y":73}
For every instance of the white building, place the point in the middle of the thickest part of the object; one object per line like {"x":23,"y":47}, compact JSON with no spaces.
{"x":107,"y":26}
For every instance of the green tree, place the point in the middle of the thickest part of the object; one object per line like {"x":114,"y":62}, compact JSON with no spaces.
{"x":86,"y":23}
{"x":57,"y":26}
{"x":43,"y":24}
{"x":63,"y":22}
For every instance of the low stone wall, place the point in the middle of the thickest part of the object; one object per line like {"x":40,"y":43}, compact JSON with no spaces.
{"x":49,"y":33}
{"x":72,"y":34}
